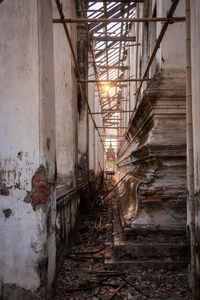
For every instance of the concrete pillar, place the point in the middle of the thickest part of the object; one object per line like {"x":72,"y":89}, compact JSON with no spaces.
{"x":195,"y":61}
{"x":98,"y":120}
{"x":66,"y":98}
{"x":27,"y":154}
{"x":91,"y":99}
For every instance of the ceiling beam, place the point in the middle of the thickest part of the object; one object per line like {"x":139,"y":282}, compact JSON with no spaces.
{"x":117,"y":14}
{"x":113,"y":67}
{"x":111,"y":111}
{"x":111,"y":1}
{"x":107,"y":127}
{"x":112,"y":80}
{"x":114,"y":38}
{"x":120,"y":20}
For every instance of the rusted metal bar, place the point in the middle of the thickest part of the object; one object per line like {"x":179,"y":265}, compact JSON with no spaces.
{"x":120,"y":20}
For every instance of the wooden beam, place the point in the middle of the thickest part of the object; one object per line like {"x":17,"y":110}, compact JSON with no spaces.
{"x":111,"y":80}
{"x":113,"y":67}
{"x":114,"y":38}
{"x":111,"y":135}
{"x":112,"y":13}
{"x":120,"y":20}
{"x":111,"y":111}
{"x":111,"y":1}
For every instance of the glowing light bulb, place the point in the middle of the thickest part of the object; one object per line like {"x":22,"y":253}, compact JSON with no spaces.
{"x":106,"y":88}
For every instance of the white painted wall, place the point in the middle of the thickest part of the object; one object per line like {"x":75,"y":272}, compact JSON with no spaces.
{"x":66,"y":98}
{"x":195,"y":50}
{"x":173,"y":50}
{"x":27,"y":121}
{"x":195,"y":61}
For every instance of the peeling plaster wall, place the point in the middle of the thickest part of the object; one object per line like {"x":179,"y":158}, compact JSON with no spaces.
{"x":27,"y":249}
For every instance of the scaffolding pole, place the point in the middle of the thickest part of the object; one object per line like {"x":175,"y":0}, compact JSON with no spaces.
{"x":190,"y":152}
{"x":121,"y":20}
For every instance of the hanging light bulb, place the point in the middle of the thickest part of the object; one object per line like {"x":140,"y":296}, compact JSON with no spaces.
{"x":106,"y":87}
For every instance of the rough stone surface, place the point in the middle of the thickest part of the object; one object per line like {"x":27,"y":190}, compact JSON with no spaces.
{"x":40,"y":187}
{"x":154,"y":154}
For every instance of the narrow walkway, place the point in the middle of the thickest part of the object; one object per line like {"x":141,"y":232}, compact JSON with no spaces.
{"x":83,"y":276}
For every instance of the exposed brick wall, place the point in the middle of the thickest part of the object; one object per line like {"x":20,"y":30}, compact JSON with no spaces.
{"x":41,"y":189}
{"x":149,"y":193}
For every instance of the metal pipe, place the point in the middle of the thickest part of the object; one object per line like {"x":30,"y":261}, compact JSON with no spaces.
{"x":190,"y":153}
{"x":120,"y":20}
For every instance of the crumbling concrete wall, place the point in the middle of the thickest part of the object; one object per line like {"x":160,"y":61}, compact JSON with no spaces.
{"x":155,"y":147}
{"x":27,"y":155}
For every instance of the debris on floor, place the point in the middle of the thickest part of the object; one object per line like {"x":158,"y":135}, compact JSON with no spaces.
{"x":83,"y":275}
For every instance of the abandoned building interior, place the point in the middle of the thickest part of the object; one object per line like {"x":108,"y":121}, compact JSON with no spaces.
{"x":96,"y":92}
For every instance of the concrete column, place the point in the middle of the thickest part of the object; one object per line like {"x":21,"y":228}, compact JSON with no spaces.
{"x":66,"y":98}
{"x":27,"y":154}
{"x":195,"y":62}
{"x":91,"y":125}
{"x":98,"y":120}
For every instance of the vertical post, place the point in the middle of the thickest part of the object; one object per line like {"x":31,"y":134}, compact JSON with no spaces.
{"x":190,"y":155}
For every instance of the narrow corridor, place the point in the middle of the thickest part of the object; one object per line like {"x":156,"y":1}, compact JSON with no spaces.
{"x":100,"y":149}
{"x":83,"y":274}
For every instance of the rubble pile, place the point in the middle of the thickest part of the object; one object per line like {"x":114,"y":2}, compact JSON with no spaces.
{"x":83,"y":274}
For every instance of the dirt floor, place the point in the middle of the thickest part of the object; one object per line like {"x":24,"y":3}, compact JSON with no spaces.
{"x":83,"y":275}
